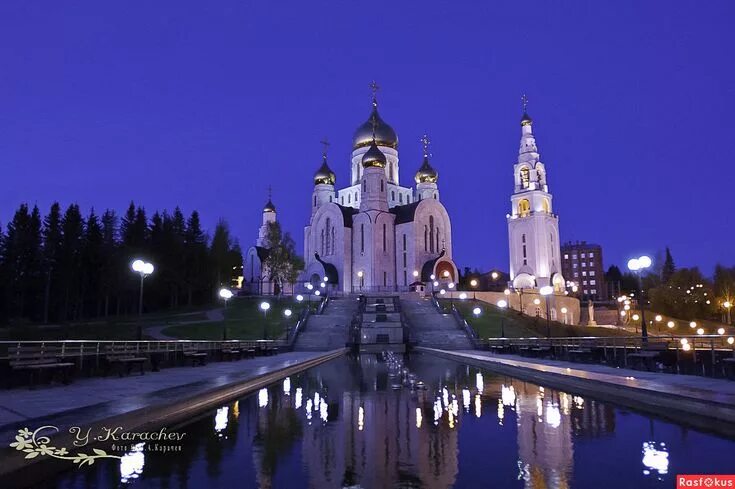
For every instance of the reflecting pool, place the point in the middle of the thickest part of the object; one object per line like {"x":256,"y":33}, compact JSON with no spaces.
{"x":382,"y":421}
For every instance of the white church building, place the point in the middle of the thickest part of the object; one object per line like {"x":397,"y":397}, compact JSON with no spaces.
{"x":376,"y":234}
{"x":533,"y":228}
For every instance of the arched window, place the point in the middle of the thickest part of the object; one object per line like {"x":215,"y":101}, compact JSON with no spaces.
{"x":333,"y":240}
{"x":349,"y":198}
{"x":322,"y":248}
{"x":384,"y":238}
{"x":356,"y":199}
{"x":364,"y":185}
{"x":330,"y":198}
{"x":431,"y":234}
{"x":525,"y":177}
{"x":362,"y":238}
{"x":400,"y":198}
{"x":382,"y":188}
{"x":315,"y":201}
{"x":545,"y":205}
{"x":540,"y":176}
{"x":392,"y":195}
{"x":437,"y":240}
{"x":426,"y":238}
{"x":329,"y":221}
{"x":524,"y":208}
{"x":434,"y":196}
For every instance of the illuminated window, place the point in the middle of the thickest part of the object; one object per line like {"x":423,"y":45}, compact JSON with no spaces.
{"x":545,"y":205}
{"x":524,"y":208}
{"x":525,"y":177}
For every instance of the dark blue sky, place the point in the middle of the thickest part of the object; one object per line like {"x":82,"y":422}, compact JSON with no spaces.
{"x":204,"y":104}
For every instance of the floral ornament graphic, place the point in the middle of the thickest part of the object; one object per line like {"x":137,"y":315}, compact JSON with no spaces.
{"x":33,"y":445}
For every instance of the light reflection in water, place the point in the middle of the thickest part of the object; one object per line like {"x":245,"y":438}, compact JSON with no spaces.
{"x":287,"y":386}
{"x":263,"y":398}
{"x":131,"y":464}
{"x":298,"y":398}
{"x":466,"y":399}
{"x":419,"y":417}
{"x":220,"y":419}
{"x":655,"y":459}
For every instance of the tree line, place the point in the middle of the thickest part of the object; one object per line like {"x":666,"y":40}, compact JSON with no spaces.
{"x":684,"y":293}
{"x":66,"y":266}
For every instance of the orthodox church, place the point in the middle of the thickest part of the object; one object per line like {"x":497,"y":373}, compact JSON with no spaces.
{"x":255,"y":278}
{"x":533,"y":228}
{"x":376,"y":234}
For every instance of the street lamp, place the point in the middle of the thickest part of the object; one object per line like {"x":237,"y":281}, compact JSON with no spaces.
{"x":671,"y":324}
{"x":476,"y":311}
{"x":502,"y":304}
{"x":720,"y":331}
{"x":564,"y":311}
{"x":225,"y":294}
{"x":658,"y":319}
{"x":473,"y":284}
{"x":637,"y":265}
{"x":727,"y":305}
{"x":360,"y":275}
{"x":693,"y":324}
{"x":144,"y":269}
{"x":546,"y":291}
{"x":264,"y":306}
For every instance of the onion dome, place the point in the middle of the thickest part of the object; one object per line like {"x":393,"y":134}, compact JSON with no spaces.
{"x":384,"y":134}
{"x":324,"y":175}
{"x":426,"y":173}
{"x":269,"y":207}
{"x":526,"y":119}
{"x":373,"y":157}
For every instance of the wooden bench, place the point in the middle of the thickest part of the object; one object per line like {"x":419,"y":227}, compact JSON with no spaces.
{"x":190,"y":352}
{"x":124,"y":357}
{"x":37,"y":359}
{"x":231,"y":351}
{"x":648,"y":355}
{"x":579,"y":354}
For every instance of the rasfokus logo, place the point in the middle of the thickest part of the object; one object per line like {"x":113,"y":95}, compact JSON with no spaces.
{"x":706,"y":481}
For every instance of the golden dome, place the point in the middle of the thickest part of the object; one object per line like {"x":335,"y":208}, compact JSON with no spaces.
{"x":384,"y":134}
{"x":373,"y":157}
{"x":324,"y":175}
{"x":426,"y":173}
{"x":269,"y":207}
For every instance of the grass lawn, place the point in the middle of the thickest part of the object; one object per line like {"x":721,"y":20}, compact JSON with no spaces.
{"x":488,"y":323}
{"x":244,"y":320}
{"x":113,"y":328}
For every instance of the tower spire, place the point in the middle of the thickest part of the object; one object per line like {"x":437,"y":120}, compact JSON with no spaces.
{"x":374,"y":89}
{"x":525,"y":119}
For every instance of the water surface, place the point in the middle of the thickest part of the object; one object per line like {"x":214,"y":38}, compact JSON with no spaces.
{"x":383,"y":421}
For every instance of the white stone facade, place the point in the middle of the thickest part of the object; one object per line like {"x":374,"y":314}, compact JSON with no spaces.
{"x":533,"y":228}
{"x":375,"y":234}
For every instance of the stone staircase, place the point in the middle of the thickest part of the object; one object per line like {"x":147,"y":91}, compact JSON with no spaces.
{"x":328,"y":330}
{"x":430,"y":328}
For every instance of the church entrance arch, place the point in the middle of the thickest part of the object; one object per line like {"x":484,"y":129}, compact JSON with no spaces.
{"x":445,"y":271}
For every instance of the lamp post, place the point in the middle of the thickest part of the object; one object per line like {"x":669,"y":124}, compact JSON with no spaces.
{"x":637,"y":265}
{"x":225,"y":294}
{"x":494,"y":275}
{"x":450,"y":286}
{"x":360,"y":275}
{"x":144,"y":269}
{"x":564,"y":311}
{"x":727,"y":305}
{"x":658,"y":319}
{"x":502,"y":304}
{"x":546,"y":291}
{"x":473,"y":284}
{"x":264,"y":306}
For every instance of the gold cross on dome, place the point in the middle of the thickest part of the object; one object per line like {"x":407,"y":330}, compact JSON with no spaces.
{"x":325,"y":143}
{"x":425,"y":142}
{"x":374,"y":87}
{"x":270,"y":191}
{"x":524,"y":102}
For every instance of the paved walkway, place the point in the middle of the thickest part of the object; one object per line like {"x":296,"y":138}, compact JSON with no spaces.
{"x":90,"y":399}
{"x":688,"y":386}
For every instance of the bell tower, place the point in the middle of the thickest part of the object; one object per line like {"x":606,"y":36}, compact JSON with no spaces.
{"x":533,"y":228}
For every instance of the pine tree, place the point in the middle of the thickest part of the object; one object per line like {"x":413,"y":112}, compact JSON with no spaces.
{"x":195,"y":244}
{"x":51,"y":247}
{"x":22,"y":258}
{"x":70,"y":261}
{"x":669,"y":268}
{"x":219,"y":253}
{"x":110,"y":273}
{"x":92,"y":263}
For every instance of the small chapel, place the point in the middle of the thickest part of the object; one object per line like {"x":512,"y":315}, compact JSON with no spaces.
{"x":375,"y":234}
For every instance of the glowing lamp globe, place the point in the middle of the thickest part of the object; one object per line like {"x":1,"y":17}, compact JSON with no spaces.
{"x":225,"y":294}
{"x":564,"y":310}
{"x":537,"y":301}
{"x":670,"y":324}
{"x":730,"y":340}
{"x":317,"y":293}
{"x":148,"y":268}
{"x":462,"y":296}
{"x":138,"y":266}
{"x":264,"y":306}
{"x":721,"y":331}
{"x":546,"y":290}
{"x":700,"y":331}
{"x":476,"y":311}
{"x":287,"y":313}
{"x":299,"y":297}
{"x":502,"y":304}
